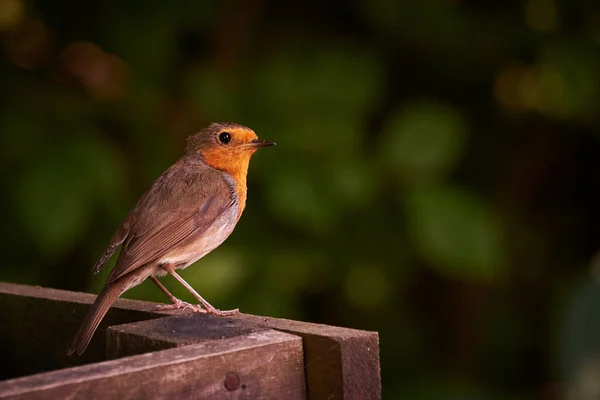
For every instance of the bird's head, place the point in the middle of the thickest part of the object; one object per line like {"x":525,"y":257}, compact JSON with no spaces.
{"x":226,"y":146}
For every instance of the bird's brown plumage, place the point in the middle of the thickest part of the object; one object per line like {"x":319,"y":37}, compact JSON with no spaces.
{"x":187,"y":212}
{"x":196,"y":195}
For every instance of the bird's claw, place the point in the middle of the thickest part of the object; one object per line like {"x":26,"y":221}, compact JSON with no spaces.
{"x":182,"y":305}
{"x":176,"y":305}
{"x":221,"y":313}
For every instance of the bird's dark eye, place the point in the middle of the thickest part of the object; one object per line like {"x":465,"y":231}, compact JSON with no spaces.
{"x":225,"y":137}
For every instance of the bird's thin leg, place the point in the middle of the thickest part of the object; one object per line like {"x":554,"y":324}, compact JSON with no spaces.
{"x":175,"y":302}
{"x":207,"y":306}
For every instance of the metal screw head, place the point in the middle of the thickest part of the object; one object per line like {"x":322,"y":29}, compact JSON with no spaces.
{"x":232,"y":381}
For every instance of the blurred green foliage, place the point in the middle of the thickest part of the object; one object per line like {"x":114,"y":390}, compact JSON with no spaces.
{"x":434,"y":179}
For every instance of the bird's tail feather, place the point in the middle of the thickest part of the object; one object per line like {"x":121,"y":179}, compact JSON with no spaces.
{"x":98,"y":309}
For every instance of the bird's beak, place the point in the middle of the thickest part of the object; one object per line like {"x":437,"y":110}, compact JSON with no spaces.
{"x":256,"y":143}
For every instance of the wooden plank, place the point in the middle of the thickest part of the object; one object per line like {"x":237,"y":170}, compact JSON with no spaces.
{"x":266,"y":364}
{"x":37,"y":325}
{"x":340,"y":363}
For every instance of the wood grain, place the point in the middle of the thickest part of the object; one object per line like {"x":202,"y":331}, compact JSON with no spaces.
{"x":340,"y":363}
{"x":37,"y":325}
{"x":260,"y":365}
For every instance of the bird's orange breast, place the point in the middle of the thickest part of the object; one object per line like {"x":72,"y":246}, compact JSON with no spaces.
{"x":235,"y":166}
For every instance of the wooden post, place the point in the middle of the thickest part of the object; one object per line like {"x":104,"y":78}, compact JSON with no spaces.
{"x":176,"y":354}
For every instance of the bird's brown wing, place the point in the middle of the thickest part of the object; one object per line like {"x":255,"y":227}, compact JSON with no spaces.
{"x":179,"y":205}
{"x":117,"y":239}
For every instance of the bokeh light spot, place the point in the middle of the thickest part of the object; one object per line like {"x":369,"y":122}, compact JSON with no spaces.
{"x":104,"y":75}
{"x":456,"y":232}
{"x":11,"y":13}
{"x":541,"y":15}
{"x":29,"y":45}
{"x":526,"y":88}
{"x":424,"y":140}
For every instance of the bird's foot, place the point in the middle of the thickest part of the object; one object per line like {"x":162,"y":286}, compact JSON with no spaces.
{"x":178,"y":304}
{"x":221,"y":313}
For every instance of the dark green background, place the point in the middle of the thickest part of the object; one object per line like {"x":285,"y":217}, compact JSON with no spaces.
{"x":434,"y":180}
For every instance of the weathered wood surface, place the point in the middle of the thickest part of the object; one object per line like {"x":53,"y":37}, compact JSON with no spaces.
{"x":36,"y":320}
{"x":339,"y":363}
{"x":261,"y":365}
{"x":164,"y":333}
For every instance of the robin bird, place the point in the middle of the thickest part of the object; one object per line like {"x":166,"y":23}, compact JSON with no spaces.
{"x":186,"y":213}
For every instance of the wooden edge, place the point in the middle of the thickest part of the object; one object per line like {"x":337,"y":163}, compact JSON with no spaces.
{"x":146,"y":306}
{"x":40,"y":341}
{"x":283,"y":324}
{"x":261,"y":362}
{"x":75,"y":297}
